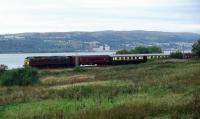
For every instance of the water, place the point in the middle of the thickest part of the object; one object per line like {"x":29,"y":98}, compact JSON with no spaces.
{"x":17,"y":60}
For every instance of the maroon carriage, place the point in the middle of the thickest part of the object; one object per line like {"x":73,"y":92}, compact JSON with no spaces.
{"x":97,"y":60}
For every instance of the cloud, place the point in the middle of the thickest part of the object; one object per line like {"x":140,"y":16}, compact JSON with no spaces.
{"x":89,"y":15}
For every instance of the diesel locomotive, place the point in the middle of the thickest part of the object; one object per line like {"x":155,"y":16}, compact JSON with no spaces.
{"x":83,"y":60}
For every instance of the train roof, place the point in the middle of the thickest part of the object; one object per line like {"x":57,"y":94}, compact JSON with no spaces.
{"x":40,"y":57}
{"x":138,"y":55}
{"x":114,"y":55}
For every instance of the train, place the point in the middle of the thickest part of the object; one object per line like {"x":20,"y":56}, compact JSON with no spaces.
{"x":87,"y":60}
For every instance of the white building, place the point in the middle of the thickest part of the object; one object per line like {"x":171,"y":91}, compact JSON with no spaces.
{"x":104,"y":48}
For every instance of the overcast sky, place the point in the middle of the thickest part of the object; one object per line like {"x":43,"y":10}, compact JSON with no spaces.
{"x":95,"y":15}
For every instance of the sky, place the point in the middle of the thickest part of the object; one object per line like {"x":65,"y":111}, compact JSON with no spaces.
{"x":17,"y":16}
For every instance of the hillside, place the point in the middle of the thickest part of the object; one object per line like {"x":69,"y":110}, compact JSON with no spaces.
{"x":91,"y":41}
{"x":165,"y":89}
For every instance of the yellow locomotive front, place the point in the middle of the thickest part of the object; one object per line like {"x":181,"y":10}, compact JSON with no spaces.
{"x":26,"y":62}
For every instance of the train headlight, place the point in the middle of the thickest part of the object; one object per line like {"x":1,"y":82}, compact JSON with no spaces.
{"x":26,"y":62}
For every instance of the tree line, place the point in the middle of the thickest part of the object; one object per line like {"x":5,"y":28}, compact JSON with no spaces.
{"x":141,"y":50}
{"x":156,"y":49}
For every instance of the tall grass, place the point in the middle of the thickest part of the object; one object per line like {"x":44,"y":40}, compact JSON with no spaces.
{"x":153,"y":90}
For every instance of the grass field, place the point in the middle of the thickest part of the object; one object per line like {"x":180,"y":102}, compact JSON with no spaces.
{"x":165,"y":89}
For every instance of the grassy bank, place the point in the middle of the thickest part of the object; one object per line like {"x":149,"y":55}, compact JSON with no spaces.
{"x":158,"y":89}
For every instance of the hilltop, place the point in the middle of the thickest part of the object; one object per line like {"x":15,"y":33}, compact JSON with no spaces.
{"x":93,"y":41}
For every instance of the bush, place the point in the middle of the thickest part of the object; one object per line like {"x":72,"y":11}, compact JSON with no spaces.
{"x":20,"y":77}
{"x":78,"y":69}
{"x":177,"y":55}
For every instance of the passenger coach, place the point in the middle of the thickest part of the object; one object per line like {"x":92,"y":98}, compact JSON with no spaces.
{"x":128,"y":59}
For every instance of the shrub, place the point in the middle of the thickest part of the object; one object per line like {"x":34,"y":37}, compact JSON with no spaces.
{"x":20,"y":77}
{"x":177,"y":55}
{"x":78,"y":69}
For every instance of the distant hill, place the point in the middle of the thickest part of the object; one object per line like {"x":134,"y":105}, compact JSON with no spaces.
{"x":87,"y":41}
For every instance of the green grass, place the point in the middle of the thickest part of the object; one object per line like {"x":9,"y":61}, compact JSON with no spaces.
{"x":165,"y":89}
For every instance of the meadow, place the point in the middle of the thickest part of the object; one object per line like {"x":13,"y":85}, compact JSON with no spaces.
{"x":162,"y":89}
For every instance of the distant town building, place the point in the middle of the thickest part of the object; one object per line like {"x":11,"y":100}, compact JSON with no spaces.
{"x":104,"y":48}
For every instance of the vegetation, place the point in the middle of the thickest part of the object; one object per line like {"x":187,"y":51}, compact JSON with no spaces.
{"x":196,"y":48}
{"x":78,"y":69}
{"x":20,"y":77}
{"x":141,"y":50}
{"x":2,"y":69}
{"x":165,"y":89}
{"x":177,"y":55}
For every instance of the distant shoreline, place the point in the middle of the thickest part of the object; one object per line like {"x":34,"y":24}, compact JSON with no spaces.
{"x":55,"y":52}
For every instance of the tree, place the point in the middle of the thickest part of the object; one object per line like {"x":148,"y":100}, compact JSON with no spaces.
{"x":176,"y":55}
{"x":155,"y":49}
{"x":141,"y":50}
{"x":123,"y":52}
{"x":196,"y":48}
